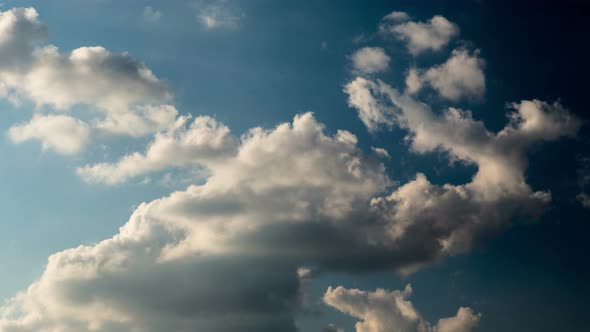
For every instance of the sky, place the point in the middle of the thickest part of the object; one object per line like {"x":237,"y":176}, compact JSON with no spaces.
{"x":233,"y":165}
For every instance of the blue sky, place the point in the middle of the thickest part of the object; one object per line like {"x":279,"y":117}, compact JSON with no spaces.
{"x":440,"y":145}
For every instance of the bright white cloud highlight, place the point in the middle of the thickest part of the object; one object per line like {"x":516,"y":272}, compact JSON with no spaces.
{"x":203,"y":142}
{"x":61,"y":133}
{"x":461,"y":76}
{"x":370,"y":60}
{"x":420,"y":37}
{"x":384,"y":311}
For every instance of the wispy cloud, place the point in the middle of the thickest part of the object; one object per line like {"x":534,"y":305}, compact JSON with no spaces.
{"x":218,"y":14}
{"x":151,"y":15}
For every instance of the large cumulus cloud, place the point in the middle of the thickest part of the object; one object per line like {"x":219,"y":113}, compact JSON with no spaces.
{"x":287,"y":197}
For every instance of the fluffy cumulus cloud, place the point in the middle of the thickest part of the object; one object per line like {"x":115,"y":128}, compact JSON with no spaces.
{"x":61,"y":133}
{"x":118,"y":89}
{"x":460,"y":76}
{"x":172,"y":266}
{"x":384,"y":311}
{"x":497,"y":191}
{"x":420,"y":37}
{"x":370,"y":60}
{"x":204,"y":142}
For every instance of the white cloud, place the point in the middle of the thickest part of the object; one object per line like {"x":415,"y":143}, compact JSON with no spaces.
{"x":276,"y":200}
{"x":217,"y":14}
{"x":167,"y":267}
{"x":396,"y":16}
{"x":112,"y":87}
{"x":138,"y":120}
{"x":370,"y":60}
{"x":384,"y":311}
{"x":498,"y":189}
{"x":369,"y":110}
{"x":381,"y":152}
{"x":203,"y":142}
{"x":151,"y":15}
{"x":432,"y":35}
{"x":459,"y":77}
{"x":61,"y":133}
{"x":20,"y":32}
{"x":272,"y":207}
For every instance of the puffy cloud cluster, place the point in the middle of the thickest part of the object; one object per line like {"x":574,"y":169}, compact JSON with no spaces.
{"x":457,"y":214}
{"x":460,"y":76}
{"x":420,"y":37}
{"x":204,"y":142}
{"x":384,"y":311}
{"x":122,"y":93}
{"x":370,"y":60}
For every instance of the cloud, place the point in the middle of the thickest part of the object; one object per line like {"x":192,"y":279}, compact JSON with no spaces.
{"x":381,"y":152}
{"x":20,"y":32}
{"x":420,"y":37}
{"x":217,"y":14}
{"x":288,"y":197}
{"x":384,"y":311}
{"x":151,"y":15}
{"x":369,"y":111}
{"x":113,"y":87}
{"x":62,"y":133}
{"x":497,"y":191}
{"x":203,"y":142}
{"x":370,"y":60}
{"x":171,"y":265}
{"x":583,"y":180}
{"x":396,"y":16}
{"x":138,"y":120}
{"x":459,"y":77}
{"x":275,"y":201}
